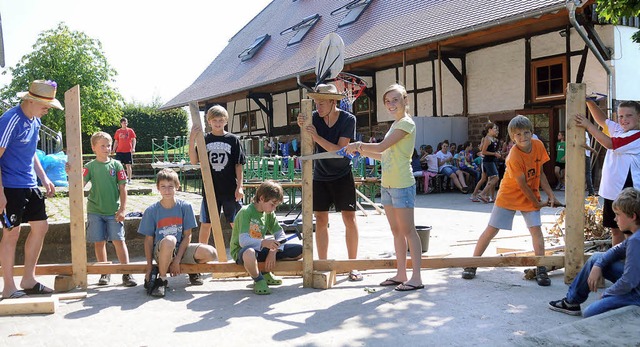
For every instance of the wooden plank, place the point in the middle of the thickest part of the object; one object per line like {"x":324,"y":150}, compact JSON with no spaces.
{"x":76,"y":186}
{"x":307,"y":195}
{"x":575,"y":183}
{"x":32,"y":305}
{"x":70,"y":296}
{"x":340,"y":266}
{"x":207,"y":182}
{"x":324,"y":279}
{"x":63,"y":283}
{"x":380,"y":211}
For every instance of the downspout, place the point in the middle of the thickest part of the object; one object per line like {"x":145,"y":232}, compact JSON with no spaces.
{"x":571,"y":7}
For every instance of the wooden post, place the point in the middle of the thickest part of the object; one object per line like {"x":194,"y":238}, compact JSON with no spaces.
{"x":207,"y":182}
{"x":76,"y":186}
{"x":307,"y":196}
{"x":575,"y":182}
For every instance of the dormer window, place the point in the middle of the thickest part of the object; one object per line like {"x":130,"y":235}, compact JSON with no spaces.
{"x":354,"y":9}
{"x":254,"y":48}
{"x":301,"y":29}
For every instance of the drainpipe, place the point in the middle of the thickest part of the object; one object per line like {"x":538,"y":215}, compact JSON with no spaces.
{"x":571,"y":7}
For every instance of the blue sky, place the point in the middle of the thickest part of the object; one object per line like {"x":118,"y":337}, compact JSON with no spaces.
{"x":158,"y":47}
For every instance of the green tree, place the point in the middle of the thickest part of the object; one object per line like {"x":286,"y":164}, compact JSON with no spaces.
{"x":613,"y":10}
{"x":70,"y":58}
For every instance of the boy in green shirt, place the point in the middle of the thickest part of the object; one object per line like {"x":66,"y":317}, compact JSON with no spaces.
{"x":248,"y":243}
{"x":106,"y":204}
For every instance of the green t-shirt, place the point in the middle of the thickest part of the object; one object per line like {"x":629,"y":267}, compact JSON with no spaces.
{"x":396,"y":160}
{"x":104,"y":196}
{"x":255,"y":224}
{"x":560,"y":152}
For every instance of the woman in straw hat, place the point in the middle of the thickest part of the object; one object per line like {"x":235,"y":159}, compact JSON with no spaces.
{"x":331,"y":130}
{"x":398,"y":193}
{"x":20,"y":199}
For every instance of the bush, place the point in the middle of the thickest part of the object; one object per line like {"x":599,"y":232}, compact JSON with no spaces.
{"x":148,"y":123}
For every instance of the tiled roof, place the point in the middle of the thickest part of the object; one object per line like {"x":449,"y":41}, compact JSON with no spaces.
{"x":386,"y":26}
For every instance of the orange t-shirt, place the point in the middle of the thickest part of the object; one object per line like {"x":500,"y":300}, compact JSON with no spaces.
{"x":510,"y":196}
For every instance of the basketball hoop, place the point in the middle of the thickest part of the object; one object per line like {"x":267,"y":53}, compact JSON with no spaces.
{"x":352,"y":87}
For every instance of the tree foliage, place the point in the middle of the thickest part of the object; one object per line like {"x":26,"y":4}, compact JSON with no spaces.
{"x":70,"y":58}
{"x":149,"y":123}
{"x":613,"y":10}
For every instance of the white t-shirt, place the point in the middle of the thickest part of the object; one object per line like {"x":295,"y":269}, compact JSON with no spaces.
{"x":443,"y":157}
{"x":624,"y":156}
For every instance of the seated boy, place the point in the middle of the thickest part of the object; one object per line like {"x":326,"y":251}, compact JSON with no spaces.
{"x":167,"y":228}
{"x":520,"y":191}
{"x":620,"y":265}
{"x":248,"y":243}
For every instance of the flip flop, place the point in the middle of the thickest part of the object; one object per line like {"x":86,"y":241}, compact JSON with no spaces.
{"x":17,"y":295}
{"x":483,"y":199}
{"x":404,"y":287}
{"x":355,"y":276}
{"x":389,"y":282}
{"x":38,"y":289}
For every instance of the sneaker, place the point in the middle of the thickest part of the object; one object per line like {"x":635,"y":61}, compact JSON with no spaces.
{"x":541,"y":276}
{"x":565,"y":307}
{"x":196,"y":279}
{"x":129,"y":281}
{"x":160,"y":287}
{"x":104,"y":280}
{"x":128,"y":181}
{"x":469,"y":273}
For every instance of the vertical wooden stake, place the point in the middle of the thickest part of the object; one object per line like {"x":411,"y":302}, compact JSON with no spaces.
{"x":207,"y":182}
{"x":575,"y":183}
{"x":76,"y":186}
{"x":307,"y":196}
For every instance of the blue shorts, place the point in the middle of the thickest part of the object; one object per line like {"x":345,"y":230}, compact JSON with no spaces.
{"x":490,"y":168}
{"x":398,"y":197}
{"x":104,"y":228}
{"x":230,"y":208}
{"x":501,"y":218}
{"x":290,"y":251}
{"x":448,"y":170}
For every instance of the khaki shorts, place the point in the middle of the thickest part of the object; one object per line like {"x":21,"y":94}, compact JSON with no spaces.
{"x":189,"y":256}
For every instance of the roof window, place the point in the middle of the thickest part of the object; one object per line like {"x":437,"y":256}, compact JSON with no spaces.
{"x":301,"y":29}
{"x":254,"y":48}
{"x":354,"y":9}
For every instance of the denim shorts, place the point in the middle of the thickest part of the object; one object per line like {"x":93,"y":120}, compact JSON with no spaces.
{"x":501,"y":218}
{"x":490,"y":168}
{"x":398,"y":197}
{"x":104,"y":228}
{"x":448,"y":170}
{"x":289,"y":251}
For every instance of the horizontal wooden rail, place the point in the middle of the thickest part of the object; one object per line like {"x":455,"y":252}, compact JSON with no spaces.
{"x":339,"y":266}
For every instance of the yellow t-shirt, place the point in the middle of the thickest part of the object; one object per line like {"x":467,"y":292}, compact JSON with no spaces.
{"x":396,"y":160}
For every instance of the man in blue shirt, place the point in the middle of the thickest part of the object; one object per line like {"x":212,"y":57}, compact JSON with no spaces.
{"x":20,"y":198}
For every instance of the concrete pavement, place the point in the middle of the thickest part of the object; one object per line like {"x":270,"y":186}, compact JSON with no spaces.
{"x":496,"y":308}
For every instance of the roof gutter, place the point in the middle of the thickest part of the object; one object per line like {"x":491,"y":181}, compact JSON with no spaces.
{"x":571,"y":7}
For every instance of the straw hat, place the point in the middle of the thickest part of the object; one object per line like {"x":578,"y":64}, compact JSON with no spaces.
{"x":326,"y":92}
{"x":43,"y":92}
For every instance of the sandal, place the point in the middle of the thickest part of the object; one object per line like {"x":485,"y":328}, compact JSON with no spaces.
{"x":271,"y":280}
{"x":38,"y":289}
{"x":355,"y":276}
{"x":17,"y":295}
{"x":483,"y":199}
{"x":261,"y":288}
{"x":389,"y":282}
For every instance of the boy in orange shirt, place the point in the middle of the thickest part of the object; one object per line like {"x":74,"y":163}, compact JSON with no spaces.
{"x":520,"y":191}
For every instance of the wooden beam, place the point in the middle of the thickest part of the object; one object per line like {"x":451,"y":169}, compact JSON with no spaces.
{"x":32,"y":305}
{"x":207,"y":182}
{"x":307,"y":195}
{"x":575,"y":183}
{"x":76,"y":186}
{"x":340,"y":266}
